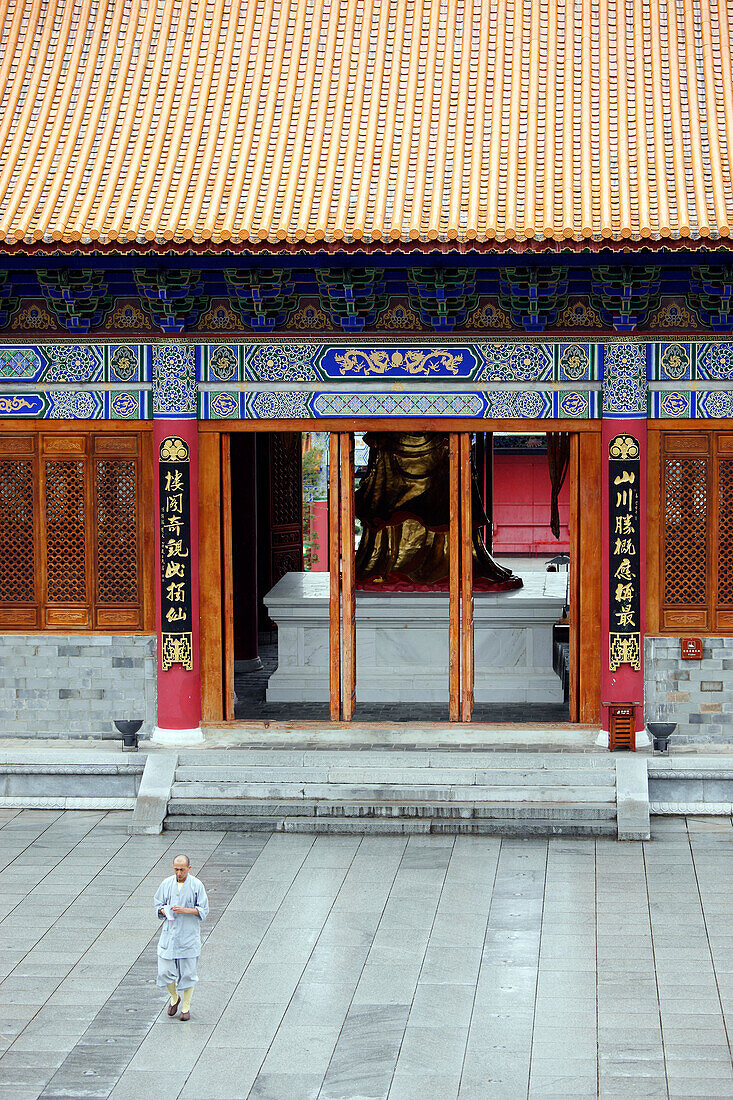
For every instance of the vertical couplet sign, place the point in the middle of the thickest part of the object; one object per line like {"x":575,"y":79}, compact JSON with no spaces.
{"x":175,"y":554}
{"x":624,"y":640}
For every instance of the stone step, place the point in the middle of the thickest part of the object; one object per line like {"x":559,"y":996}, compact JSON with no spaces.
{"x":394,"y":789}
{"x":398,"y":772}
{"x":448,"y":791}
{"x":391,"y":807}
{"x":500,"y":827}
{"x":508,"y":739}
{"x":396,"y":755}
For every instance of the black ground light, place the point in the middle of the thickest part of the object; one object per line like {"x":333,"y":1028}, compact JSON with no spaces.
{"x":129,"y":731}
{"x":661,"y":733}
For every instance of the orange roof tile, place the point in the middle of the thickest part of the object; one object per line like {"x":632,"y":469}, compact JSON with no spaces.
{"x":224,"y":123}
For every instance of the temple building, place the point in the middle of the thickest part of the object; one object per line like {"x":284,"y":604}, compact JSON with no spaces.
{"x":482,"y":246}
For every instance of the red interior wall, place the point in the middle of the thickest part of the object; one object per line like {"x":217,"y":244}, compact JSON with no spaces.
{"x":522,"y":507}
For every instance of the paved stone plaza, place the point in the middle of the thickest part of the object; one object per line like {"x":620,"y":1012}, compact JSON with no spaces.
{"x":349,"y":967}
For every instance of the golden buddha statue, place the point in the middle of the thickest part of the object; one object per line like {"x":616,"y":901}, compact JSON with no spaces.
{"x":403,"y":504}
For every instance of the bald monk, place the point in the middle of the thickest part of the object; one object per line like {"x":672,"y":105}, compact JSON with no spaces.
{"x":181,"y":903}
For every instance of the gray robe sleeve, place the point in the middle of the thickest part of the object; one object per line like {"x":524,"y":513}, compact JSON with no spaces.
{"x":201,"y":901}
{"x":159,"y":900}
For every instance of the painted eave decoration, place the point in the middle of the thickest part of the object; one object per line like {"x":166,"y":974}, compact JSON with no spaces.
{"x":453,"y":124}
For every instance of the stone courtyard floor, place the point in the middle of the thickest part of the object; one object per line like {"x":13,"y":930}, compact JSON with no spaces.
{"x":344,"y":968}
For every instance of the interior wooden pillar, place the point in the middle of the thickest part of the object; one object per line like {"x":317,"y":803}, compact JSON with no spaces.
{"x":334,"y":566}
{"x":454,"y":602}
{"x":210,"y":578}
{"x":574,"y":580}
{"x":467,"y":652}
{"x":245,"y":536}
{"x":589,"y":595}
{"x":348,"y":604}
{"x":227,"y":575}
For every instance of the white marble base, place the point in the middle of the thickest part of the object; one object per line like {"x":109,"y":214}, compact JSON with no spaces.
{"x":643,"y":740}
{"x":402,"y":642}
{"x":177,"y":737}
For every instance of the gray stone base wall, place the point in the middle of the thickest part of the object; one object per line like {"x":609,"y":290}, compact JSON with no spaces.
{"x":72,"y":685}
{"x":698,"y":695}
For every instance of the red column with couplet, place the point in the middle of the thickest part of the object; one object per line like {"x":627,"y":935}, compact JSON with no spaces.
{"x":177,"y":580}
{"x":623,"y":598}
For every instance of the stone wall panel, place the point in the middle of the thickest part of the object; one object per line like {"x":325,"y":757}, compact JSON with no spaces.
{"x":697,"y":695}
{"x":75,"y":686}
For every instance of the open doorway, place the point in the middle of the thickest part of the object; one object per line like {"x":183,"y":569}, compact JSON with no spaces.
{"x":275,"y":531}
{"x":272,"y":537}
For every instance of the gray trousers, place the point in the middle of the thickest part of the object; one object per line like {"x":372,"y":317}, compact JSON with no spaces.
{"x":180,"y":971}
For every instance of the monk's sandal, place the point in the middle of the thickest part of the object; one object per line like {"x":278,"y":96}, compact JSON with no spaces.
{"x":172,"y":1009}
{"x":185,"y":1016}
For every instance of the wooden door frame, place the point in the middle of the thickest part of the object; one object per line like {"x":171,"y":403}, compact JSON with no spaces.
{"x":588,"y":574}
{"x":585,"y":580}
{"x":454,"y":578}
{"x":211,"y":589}
{"x":334,"y":576}
{"x":466,"y":537}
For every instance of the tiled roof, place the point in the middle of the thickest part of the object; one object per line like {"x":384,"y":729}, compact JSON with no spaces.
{"x":217,"y":123}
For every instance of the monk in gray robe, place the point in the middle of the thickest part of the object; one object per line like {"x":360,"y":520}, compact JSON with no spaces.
{"x":181,"y":903}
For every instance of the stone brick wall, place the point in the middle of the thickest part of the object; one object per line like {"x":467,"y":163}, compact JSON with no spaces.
{"x":72,"y":685}
{"x":698,"y":695}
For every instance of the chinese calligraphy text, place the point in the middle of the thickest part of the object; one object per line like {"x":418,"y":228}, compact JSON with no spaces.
{"x":175,"y":554}
{"x":624,"y":646}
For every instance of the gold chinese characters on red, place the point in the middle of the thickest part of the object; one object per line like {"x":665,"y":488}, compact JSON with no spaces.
{"x":175,"y":554}
{"x":624,"y":638}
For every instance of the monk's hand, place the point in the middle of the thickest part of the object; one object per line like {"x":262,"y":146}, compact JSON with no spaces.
{"x":178,"y":909}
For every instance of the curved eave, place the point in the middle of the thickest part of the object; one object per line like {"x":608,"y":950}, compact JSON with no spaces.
{"x":324,"y":248}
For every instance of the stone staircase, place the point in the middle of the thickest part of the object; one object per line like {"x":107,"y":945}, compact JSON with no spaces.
{"x":332,"y":789}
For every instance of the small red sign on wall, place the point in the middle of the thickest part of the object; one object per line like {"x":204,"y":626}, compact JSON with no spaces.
{"x":691,"y":649}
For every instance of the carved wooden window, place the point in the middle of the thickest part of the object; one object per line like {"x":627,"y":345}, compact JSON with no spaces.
{"x":71,"y":531}
{"x":697,"y":531}
{"x":725,"y":532}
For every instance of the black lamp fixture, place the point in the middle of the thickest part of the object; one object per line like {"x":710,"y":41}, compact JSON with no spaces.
{"x":661,"y":733}
{"x":129,"y":731}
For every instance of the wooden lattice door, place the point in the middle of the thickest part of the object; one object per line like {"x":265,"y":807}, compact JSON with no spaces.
{"x":18,"y":532}
{"x":696,"y":510}
{"x":72,"y":528}
{"x":725,"y":530}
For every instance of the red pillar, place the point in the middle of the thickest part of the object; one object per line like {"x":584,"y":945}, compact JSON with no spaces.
{"x":179,"y":687}
{"x":625,"y":682}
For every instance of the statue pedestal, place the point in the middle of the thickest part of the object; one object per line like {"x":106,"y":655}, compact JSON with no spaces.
{"x":402,"y":642}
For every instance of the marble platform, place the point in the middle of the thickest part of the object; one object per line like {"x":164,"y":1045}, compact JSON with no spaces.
{"x":402,"y":642}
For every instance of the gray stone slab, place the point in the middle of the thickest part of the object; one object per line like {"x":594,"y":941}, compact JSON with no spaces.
{"x":151,"y":804}
{"x":137,"y":1084}
{"x":417,"y":1085}
{"x":224,"y":1073}
{"x":308,"y":1046}
{"x":434,"y":1004}
{"x":632,"y":797}
{"x":288,"y":1086}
